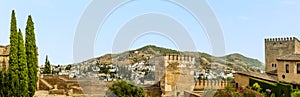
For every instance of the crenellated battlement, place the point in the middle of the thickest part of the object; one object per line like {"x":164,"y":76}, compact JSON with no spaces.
{"x":177,"y":57}
{"x":280,"y":39}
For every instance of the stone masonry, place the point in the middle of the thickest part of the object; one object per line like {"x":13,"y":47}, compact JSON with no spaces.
{"x":178,"y":75}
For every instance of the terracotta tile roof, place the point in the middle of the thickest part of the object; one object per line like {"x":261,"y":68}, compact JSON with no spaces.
{"x":290,"y":57}
{"x":259,"y":76}
{"x":273,"y":72}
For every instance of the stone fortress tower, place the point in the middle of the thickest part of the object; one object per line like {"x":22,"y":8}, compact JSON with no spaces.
{"x":177,"y":74}
{"x":283,"y":59}
{"x":278,"y":47}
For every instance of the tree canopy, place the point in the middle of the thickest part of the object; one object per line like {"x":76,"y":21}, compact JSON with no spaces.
{"x":122,"y":88}
{"x":31,"y":52}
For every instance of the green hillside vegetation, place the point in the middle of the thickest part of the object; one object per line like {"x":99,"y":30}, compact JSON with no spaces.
{"x":244,"y":60}
{"x":152,"y":49}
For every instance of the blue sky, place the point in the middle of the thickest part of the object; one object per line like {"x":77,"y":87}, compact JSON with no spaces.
{"x":245,"y":24}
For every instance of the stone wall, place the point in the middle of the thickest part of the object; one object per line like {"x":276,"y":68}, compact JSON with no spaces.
{"x":212,"y":84}
{"x":60,"y":82}
{"x":241,"y":80}
{"x":153,"y":91}
{"x":292,"y":76}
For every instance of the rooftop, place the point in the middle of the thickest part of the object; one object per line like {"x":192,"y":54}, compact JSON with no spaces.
{"x":290,"y":57}
{"x":258,"y":75}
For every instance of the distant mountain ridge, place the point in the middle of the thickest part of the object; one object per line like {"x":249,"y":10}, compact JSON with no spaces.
{"x":233,"y":61}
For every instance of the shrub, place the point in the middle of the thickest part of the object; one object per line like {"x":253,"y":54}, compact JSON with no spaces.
{"x":296,"y":94}
{"x":256,"y":87}
{"x":279,"y":89}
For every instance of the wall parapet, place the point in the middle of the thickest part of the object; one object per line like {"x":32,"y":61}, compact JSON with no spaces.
{"x":280,"y":39}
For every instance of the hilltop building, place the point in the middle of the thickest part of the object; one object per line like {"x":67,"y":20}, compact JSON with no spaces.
{"x":282,"y":61}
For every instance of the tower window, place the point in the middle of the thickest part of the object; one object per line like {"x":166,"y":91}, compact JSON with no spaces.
{"x":273,"y":65}
{"x":287,"y":70}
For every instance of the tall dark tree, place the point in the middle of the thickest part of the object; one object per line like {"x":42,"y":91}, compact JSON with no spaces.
{"x":31,"y":52}
{"x":6,"y":89}
{"x":47,"y":69}
{"x":13,"y":70}
{"x":23,"y":71}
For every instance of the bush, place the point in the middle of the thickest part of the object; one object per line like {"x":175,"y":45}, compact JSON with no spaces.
{"x":256,"y":87}
{"x":296,"y":94}
{"x":279,"y":89}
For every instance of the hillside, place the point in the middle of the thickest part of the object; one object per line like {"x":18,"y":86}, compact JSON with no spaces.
{"x":234,"y":61}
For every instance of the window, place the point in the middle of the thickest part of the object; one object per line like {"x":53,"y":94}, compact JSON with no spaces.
{"x":273,"y":65}
{"x":287,"y":70}
{"x":298,"y":68}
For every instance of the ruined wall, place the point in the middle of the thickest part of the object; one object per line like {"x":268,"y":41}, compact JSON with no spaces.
{"x":276,"y":47}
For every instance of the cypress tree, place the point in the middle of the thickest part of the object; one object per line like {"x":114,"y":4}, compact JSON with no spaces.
{"x":23,"y":71}
{"x":47,"y":69}
{"x":5,"y":82}
{"x":31,"y":52}
{"x":13,"y":71}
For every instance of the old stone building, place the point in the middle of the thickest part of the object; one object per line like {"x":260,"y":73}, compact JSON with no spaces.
{"x":178,"y":74}
{"x":282,"y":63}
{"x":4,"y":57}
{"x":283,"y":59}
